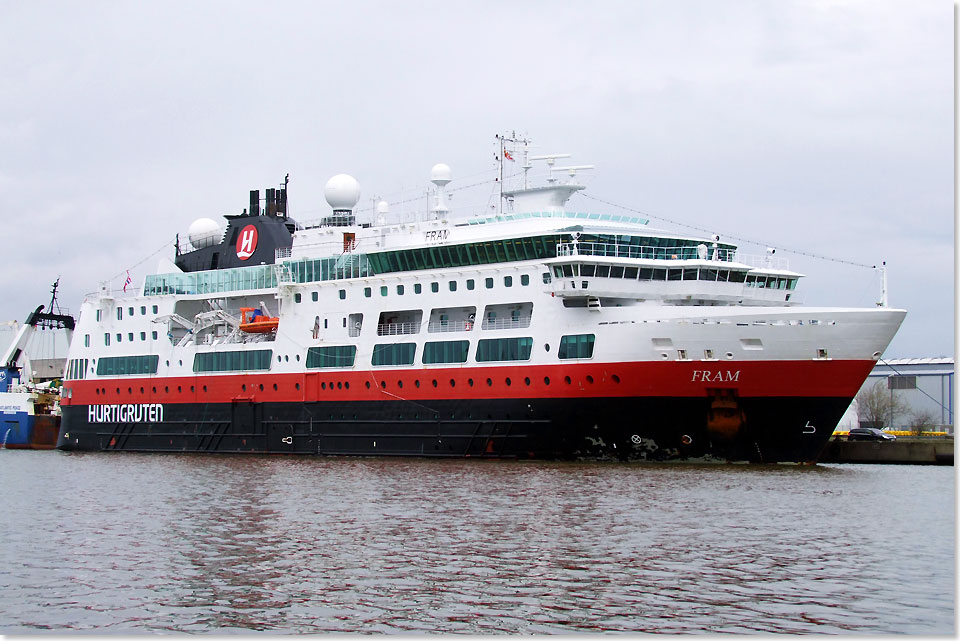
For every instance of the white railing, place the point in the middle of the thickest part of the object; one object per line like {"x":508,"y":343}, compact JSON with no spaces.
{"x":449,"y":326}
{"x":396,"y":329}
{"x":506,"y":323}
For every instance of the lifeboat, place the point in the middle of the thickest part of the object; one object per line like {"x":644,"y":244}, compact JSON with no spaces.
{"x":254,"y":322}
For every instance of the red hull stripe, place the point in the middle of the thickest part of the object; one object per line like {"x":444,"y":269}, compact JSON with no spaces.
{"x":814,"y":378}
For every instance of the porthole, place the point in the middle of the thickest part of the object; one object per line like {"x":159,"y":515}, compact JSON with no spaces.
{"x":507,"y":381}
{"x":416,"y":383}
{"x":154,"y":389}
{"x":243,"y":387}
{"x":566,"y":379}
{"x":383,"y":384}
{"x":298,"y":358}
{"x":589,"y":379}
{"x":616,"y":379}
{"x":347,"y":386}
{"x":546,"y":380}
{"x":489,"y":382}
{"x":98,"y":391}
{"x":526,"y":380}
{"x":434,"y":382}
{"x":286,"y":358}
{"x":546,"y":347}
{"x":453,"y":383}
{"x":204,"y":388}
{"x":297,"y":386}
{"x":261,"y":387}
{"x":181,"y":363}
{"x":166,"y":389}
{"x":279,"y":358}
{"x":340,"y":385}
{"x":470,"y":382}
{"x":399,"y":383}
{"x":323,"y":385}
{"x":729,"y":356}
{"x":368,"y":384}
{"x":274,"y":387}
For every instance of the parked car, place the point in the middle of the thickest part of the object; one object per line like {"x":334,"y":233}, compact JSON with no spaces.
{"x":869,"y":434}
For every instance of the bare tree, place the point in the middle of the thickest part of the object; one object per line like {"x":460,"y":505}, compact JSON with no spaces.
{"x":922,"y":421}
{"x":878,"y":405}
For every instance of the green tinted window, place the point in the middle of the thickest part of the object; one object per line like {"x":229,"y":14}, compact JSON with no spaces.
{"x":504,"y":349}
{"x":393,"y":354}
{"x":333,"y":356}
{"x":445,"y":352}
{"x":127,"y":365}
{"x":576,"y":346}
{"x":232,"y":361}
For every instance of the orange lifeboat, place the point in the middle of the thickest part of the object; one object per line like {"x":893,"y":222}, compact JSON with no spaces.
{"x":256,"y":322}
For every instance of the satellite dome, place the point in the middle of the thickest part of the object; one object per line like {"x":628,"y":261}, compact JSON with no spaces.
{"x":440,"y":174}
{"x":342,"y":192}
{"x":204,"y":232}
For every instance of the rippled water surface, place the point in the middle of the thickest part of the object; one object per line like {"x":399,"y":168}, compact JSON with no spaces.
{"x":194,"y":543}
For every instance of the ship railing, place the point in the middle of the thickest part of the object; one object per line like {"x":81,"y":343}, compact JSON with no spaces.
{"x":617,"y":250}
{"x":281,"y":253}
{"x":758,"y":261}
{"x":506,"y":323}
{"x":396,"y":329}
{"x":449,"y":326}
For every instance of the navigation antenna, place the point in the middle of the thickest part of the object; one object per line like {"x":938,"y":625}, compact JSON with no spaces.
{"x":505,"y":153}
{"x":54,"y":308}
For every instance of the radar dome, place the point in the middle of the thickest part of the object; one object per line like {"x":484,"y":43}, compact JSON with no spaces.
{"x":204,"y":232}
{"x":342,"y":192}
{"x":440,"y":174}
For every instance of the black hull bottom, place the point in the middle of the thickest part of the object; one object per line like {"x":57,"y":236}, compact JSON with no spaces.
{"x":761,"y":430}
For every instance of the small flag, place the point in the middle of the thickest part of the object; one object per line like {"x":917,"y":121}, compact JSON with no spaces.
{"x":506,"y":154}
{"x":127,"y":282}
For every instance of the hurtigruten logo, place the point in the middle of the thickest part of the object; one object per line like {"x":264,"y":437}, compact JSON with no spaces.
{"x":127,"y":413}
{"x":247,"y":242}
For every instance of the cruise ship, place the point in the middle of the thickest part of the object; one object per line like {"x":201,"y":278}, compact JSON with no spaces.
{"x":530,"y":329}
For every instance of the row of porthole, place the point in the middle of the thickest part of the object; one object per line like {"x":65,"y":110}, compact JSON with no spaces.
{"x":383,"y":384}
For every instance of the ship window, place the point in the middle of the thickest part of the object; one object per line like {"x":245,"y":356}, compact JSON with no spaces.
{"x":674,"y":274}
{"x":86,"y":340}
{"x":470,"y":284}
{"x":546,"y":278}
{"x":106,"y":339}
{"x":399,"y":290}
{"x":508,"y":281}
{"x":617,"y":271}
{"x":367,"y":292}
{"x":343,"y":294}
{"x":524,"y":279}
{"x":504,"y":349}
{"x":130,"y":336}
{"x":129,"y":311}
{"x":127,"y":365}
{"x":453,"y":285}
{"x":383,"y":290}
{"x":445,"y":352}
{"x":98,"y":315}
{"x":417,"y":288}
{"x":332,"y":356}
{"x":566,"y":270}
{"x":296,"y":298}
{"x":143,"y":310}
{"x":119,"y":337}
{"x":325,"y":321}
{"x":603,"y":271}
{"x":489,"y":283}
{"x":393,"y":354}
{"x":154,"y":309}
{"x":434,"y":287}
{"x":630,"y":272}
{"x":314,"y":296}
{"x":576,"y":346}
{"x":143,"y":336}
{"x":232,"y":361}
{"x":119,"y":313}
{"x":154,"y":334}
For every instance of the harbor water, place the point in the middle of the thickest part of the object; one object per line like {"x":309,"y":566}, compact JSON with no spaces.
{"x":127,"y":543}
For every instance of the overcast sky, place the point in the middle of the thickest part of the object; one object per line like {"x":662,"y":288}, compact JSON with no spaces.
{"x":818,"y":127}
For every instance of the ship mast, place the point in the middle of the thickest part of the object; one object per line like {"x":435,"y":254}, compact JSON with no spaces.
{"x":513,"y":139}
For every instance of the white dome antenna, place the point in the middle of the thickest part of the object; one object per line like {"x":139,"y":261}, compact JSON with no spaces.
{"x":440,"y":176}
{"x":383,"y":208}
{"x":204,"y":232}
{"x":342,"y":193}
